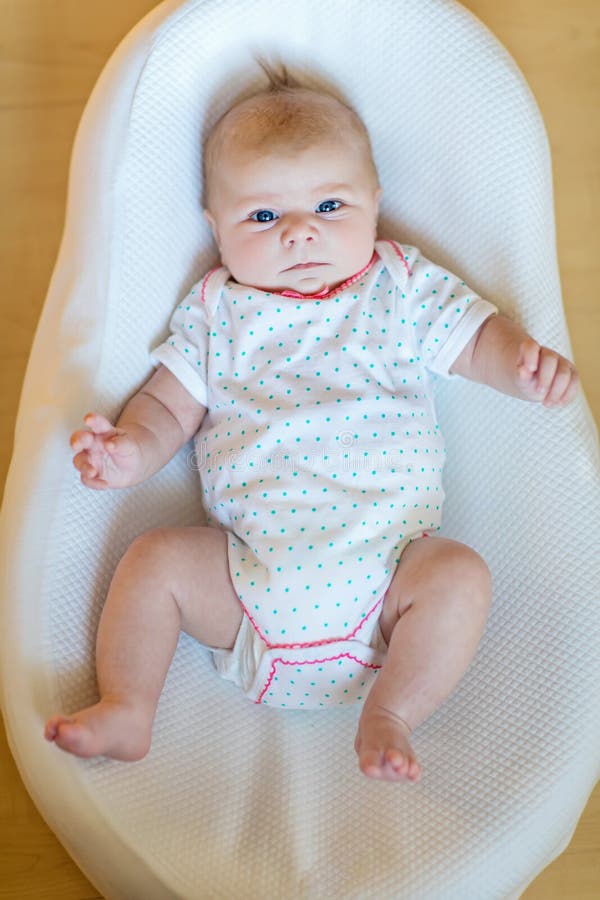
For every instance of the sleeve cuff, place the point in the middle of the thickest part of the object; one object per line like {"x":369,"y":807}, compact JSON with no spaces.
{"x":174,"y":362}
{"x":460,"y":337}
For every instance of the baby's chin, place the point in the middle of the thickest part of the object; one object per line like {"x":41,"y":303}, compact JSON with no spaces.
{"x":310,"y":285}
{"x":298,"y":282}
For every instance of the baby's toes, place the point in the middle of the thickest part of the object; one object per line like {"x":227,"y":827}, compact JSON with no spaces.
{"x":370,"y":762}
{"x":74,"y":738}
{"x":52,"y":727}
{"x":397,"y":761}
{"x":413,"y":770}
{"x":403,"y":765}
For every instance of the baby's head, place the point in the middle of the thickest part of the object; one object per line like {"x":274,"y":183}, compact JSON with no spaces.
{"x":292,"y":193}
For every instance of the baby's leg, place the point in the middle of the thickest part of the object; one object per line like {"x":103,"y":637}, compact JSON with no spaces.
{"x":433,"y":616}
{"x":169,"y":580}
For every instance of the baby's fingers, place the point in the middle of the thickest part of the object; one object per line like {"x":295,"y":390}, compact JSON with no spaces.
{"x":97,"y":427}
{"x":555,"y":382}
{"x":89,"y":474}
{"x":529,"y":356}
{"x":527,"y":367}
{"x":99,"y":424}
{"x":564,"y":385}
{"x":119,"y":446}
{"x":81,"y":440}
{"x":546,"y":373}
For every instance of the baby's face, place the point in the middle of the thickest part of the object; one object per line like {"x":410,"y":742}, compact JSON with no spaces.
{"x":303,"y":222}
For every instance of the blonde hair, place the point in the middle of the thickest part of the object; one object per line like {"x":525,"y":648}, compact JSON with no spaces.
{"x":286,"y":116}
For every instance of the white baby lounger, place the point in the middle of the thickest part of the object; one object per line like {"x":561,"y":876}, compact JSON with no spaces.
{"x":237,"y":800}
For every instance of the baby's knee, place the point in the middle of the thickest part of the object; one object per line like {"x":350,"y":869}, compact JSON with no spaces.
{"x":439,"y":570}
{"x":459,"y":573}
{"x":471,"y":575}
{"x":150,"y":550}
{"x":480,"y":573}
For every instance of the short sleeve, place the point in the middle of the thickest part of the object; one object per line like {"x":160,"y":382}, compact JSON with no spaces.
{"x":444,"y":312}
{"x":184,"y":352}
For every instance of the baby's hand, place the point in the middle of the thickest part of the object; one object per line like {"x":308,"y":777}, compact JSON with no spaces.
{"x":545,"y":376}
{"x":105,"y":456}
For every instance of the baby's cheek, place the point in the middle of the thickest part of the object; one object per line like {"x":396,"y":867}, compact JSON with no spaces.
{"x":247,"y":261}
{"x":357,"y":250}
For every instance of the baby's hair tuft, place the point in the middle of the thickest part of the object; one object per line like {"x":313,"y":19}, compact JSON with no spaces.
{"x":280,"y":80}
{"x":285,"y":116}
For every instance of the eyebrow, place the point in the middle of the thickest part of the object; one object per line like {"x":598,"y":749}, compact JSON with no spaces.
{"x":321,"y":190}
{"x":333,"y":188}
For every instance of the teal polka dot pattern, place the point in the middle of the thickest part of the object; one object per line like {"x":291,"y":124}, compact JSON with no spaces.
{"x":335,"y":676}
{"x":321,"y":451}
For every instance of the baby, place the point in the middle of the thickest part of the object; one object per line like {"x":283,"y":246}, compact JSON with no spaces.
{"x":303,"y":367}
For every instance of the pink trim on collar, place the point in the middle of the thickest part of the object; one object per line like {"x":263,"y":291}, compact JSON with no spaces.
{"x":326,"y":293}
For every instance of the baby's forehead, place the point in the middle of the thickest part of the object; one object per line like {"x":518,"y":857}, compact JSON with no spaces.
{"x":285,"y":122}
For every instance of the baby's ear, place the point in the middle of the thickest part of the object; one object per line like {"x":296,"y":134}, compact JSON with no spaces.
{"x":213,"y":226}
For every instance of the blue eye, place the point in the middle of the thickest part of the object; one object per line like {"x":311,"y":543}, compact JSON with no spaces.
{"x":328,"y":206}
{"x":263,"y":215}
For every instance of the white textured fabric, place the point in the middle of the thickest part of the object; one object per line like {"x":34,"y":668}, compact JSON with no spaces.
{"x":240,"y":800}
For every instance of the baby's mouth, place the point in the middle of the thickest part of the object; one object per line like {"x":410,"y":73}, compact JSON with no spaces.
{"x":304,"y":265}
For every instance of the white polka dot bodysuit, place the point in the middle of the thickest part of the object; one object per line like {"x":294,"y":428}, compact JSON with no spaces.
{"x":320,"y":453}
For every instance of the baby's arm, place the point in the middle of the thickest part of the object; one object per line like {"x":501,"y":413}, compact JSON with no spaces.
{"x":503,"y":356}
{"x":154,"y":424}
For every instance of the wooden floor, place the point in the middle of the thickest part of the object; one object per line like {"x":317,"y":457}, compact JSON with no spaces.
{"x":51,"y":53}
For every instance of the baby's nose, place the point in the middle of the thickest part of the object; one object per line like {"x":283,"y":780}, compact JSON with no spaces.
{"x":298,"y":230}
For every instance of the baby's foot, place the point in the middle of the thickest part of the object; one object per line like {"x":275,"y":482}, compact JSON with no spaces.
{"x":383,"y":748}
{"x":106,"y":729}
